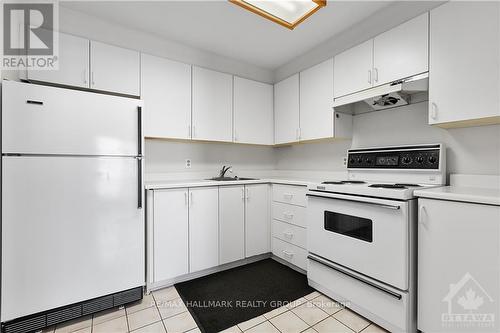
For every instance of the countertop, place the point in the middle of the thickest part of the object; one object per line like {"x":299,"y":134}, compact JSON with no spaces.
{"x":165,"y":184}
{"x":489,"y":196}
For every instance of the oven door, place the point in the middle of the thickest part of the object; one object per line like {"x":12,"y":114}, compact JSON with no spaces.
{"x":367,"y":235}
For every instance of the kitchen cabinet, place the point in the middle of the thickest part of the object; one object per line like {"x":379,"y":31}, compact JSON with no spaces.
{"x":401,"y":52}
{"x":257,"y":219}
{"x":316,"y":102}
{"x":203,"y":228}
{"x":73,"y":64}
{"x":395,"y":54}
{"x":464,"y":64}
{"x":212,"y":105}
{"x":170,"y":238}
{"x":114,"y":69}
{"x":253,"y":112}
{"x":353,"y":69}
{"x":286,"y":110}
{"x":458,"y":258}
{"x":166,"y":91}
{"x":231,"y":223}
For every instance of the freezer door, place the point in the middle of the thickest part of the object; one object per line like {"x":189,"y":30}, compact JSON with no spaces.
{"x":71,"y":231}
{"x":39,"y":119}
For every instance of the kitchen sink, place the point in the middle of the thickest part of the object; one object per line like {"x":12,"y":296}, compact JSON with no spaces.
{"x":230,"y":178}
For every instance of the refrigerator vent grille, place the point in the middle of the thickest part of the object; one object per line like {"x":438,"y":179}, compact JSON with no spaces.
{"x":41,"y":320}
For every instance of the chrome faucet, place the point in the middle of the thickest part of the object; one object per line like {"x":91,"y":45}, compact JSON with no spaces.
{"x":223,"y":171}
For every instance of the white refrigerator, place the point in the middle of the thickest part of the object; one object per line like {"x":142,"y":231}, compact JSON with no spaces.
{"x":72,"y":200}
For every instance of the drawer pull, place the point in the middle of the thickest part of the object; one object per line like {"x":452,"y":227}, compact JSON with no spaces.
{"x":30,"y":101}
{"x":288,"y":196}
{"x":288,"y":234}
{"x":288,"y":215}
{"x":288,"y":254}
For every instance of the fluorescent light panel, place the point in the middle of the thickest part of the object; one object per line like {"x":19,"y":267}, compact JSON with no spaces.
{"x":288,"y":13}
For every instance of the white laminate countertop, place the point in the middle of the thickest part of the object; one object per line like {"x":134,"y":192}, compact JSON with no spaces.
{"x":165,"y":184}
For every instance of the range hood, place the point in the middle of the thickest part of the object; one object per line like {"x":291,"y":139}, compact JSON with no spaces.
{"x":389,"y":95}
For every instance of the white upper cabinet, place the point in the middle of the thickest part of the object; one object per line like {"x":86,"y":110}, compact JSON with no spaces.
{"x":316,"y":102}
{"x":286,"y":110}
{"x":73,"y":64}
{"x":402,"y":51}
{"x":253,"y":112}
{"x":166,"y":91}
{"x":353,"y":69}
{"x":464,"y":73}
{"x":231,"y":223}
{"x":212,"y":105}
{"x":114,"y":69}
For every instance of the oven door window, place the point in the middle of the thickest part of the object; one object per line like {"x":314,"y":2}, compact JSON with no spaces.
{"x":348,"y":225}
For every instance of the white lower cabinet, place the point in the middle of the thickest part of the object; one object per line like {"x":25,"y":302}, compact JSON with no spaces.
{"x":203,"y":228}
{"x":170,"y":237}
{"x":231,"y":223}
{"x":257,"y":220}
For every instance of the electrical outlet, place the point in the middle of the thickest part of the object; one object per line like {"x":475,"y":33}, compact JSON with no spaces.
{"x":188,"y":163}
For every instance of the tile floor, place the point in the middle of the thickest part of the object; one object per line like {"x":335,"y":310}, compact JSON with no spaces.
{"x":164,"y":312}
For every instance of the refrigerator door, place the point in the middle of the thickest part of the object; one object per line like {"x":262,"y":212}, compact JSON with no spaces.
{"x":48,"y":120}
{"x":71,"y":231}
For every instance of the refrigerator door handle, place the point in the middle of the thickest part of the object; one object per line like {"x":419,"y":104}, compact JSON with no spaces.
{"x":139,"y":130}
{"x":139,"y":182}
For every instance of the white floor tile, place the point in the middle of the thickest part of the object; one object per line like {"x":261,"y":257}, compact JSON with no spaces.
{"x":101,"y":317}
{"x":296,"y":303}
{"x":171,"y":308}
{"x":275,"y":312}
{"x":331,"y":325}
{"x":374,"y":329}
{"x":265,"y":327}
{"x":165,"y":294}
{"x":326,"y":304}
{"x":309,"y":330}
{"x":251,"y":323}
{"x":146,"y":302}
{"x":180,"y":323}
{"x":288,"y":322}
{"x":312,"y":295}
{"x":234,"y":329}
{"x":143,"y":318}
{"x":309,"y":313}
{"x":117,"y":325}
{"x":153,"y":328}
{"x":74,"y":325}
{"x":351,"y":320}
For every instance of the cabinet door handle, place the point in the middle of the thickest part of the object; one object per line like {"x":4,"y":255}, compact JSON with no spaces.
{"x":288,"y":216}
{"x":30,"y":101}
{"x":139,"y":130}
{"x":370,"y":76}
{"x":288,"y":196}
{"x":185,"y":198}
{"x":375,"y":74}
{"x":247,"y":194}
{"x":421,"y":212}
{"x":288,"y":234}
{"x":243,"y":194}
{"x":288,"y":254}
{"x":190,"y":199}
{"x":139,"y":182}
{"x":434,"y":110}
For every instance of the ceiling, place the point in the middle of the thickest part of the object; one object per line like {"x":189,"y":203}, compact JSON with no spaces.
{"x":228,"y":30}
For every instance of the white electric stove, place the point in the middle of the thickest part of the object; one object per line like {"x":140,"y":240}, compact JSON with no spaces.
{"x":362,"y":231}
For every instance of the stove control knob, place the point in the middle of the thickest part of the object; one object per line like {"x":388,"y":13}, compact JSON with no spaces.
{"x":368,"y":160}
{"x":406,"y":159}
{"x":360,"y":160}
{"x":351,"y":160}
{"x":432,"y":159}
{"x":420,"y":159}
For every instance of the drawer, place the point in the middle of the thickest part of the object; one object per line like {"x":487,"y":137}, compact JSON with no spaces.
{"x":290,"y":233}
{"x":291,"y":253}
{"x":290,"y":194}
{"x":290,"y":214}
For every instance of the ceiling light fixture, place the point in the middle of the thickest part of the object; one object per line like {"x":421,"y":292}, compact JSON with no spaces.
{"x":288,"y":13}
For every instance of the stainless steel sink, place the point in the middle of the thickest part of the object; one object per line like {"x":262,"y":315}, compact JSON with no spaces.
{"x":223,"y":179}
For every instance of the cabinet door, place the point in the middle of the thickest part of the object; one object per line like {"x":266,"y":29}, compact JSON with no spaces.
{"x":316,"y":99}
{"x":166,"y":91}
{"x":203,"y":228}
{"x":402,"y":51}
{"x":458,"y":258}
{"x":212,"y":105}
{"x":353,"y":69}
{"x":253,"y":112}
{"x":170,"y":240}
{"x":257,"y":220}
{"x":464,"y":66}
{"x":231,"y":223}
{"x":114,"y":69}
{"x":286,"y":110}
{"x":73,"y":62}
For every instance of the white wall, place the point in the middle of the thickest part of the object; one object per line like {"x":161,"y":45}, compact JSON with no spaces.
{"x":474,"y":150}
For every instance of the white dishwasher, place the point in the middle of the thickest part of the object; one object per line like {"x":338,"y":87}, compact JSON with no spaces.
{"x":459,"y":256}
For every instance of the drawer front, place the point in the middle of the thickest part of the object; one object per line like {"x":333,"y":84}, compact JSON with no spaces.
{"x":290,"y":233}
{"x":290,"y":214}
{"x":291,"y":253}
{"x":294,"y":195}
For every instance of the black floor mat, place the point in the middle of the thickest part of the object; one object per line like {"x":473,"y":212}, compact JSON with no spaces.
{"x":224,"y":299}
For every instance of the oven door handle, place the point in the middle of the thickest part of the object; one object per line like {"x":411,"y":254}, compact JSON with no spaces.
{"x":371,"y":284}
{"x":394,"y":207}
